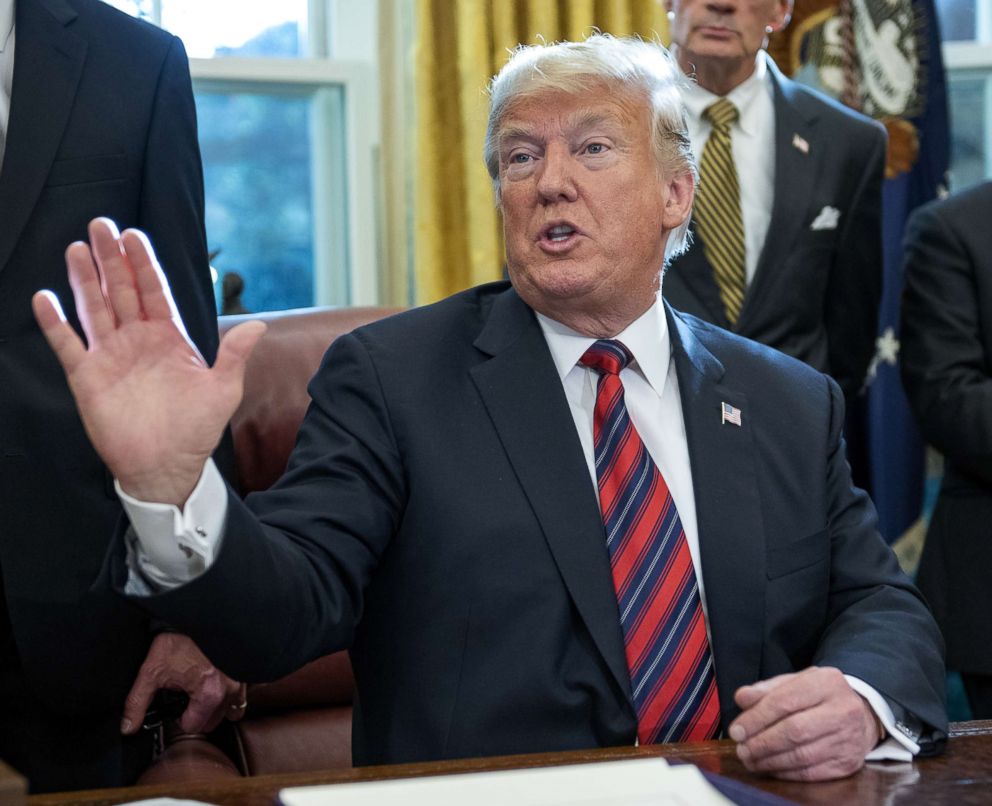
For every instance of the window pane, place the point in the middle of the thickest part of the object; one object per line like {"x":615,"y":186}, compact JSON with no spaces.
{"x":237,"y":28}
{"x":957,"y":20}
{"x":257,"y":175}
{"x":968,"y":98}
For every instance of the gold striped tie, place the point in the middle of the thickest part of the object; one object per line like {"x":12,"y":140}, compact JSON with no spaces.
{"x":718,"y":209}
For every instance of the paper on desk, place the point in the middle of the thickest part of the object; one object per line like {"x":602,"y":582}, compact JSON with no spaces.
{"x":631,"y":782}
{"x":165,"y":802}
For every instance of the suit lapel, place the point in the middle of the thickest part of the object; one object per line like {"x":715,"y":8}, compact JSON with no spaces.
{"x":48,"y":61}
{"x":695,"y":273}
{"x":525,"y":400}
{"x":728,"y":513}
{"x":796,"y":171}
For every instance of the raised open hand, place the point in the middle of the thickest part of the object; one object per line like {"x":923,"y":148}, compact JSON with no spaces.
{"x":151,"y":406}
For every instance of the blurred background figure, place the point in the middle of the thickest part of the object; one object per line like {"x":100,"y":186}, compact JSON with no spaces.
{"x":232,"y":287}
{"x":96,"y":118}
{"x":947,"y":370}
{"x":787,"y":224}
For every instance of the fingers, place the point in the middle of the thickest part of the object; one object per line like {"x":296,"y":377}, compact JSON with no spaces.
{"x":748,"y":696}
{"x":115,"y":271}
{"x":786,"y":742}
{"x":67,"y":346}
{"x":208,"y":702}
{"x":239,"y":705}
{"x":130,"y":277}
{"x":769,"y":701}
{"x":91,"y":304}
{"x":138,"y":699}
{"x":807,"y":726}
{"x":149,"y":280}
{"x":175,"y":662}
{"x":831,"y":755}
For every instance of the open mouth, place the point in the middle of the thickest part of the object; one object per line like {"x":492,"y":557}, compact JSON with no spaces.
{"x":558,"y":235}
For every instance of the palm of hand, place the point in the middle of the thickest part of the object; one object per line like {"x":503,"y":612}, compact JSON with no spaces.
{"x":152,"y":408}
{"x":148,"y":402}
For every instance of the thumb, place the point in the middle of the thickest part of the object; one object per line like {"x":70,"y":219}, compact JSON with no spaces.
{"x":236,"y":346}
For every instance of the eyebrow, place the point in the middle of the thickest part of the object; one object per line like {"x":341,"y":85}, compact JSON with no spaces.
{"x":584,"y":120}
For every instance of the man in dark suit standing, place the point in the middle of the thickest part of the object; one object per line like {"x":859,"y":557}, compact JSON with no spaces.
{"x":543,"y":515}
{"x":947,"y":370}
{"x":97,"y":116}
{"x":787,"y":229}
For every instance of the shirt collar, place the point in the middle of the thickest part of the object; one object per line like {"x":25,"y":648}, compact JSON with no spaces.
{"x":6,"y":22}
{"x":646,"y":337}
{"x":697,"y":99}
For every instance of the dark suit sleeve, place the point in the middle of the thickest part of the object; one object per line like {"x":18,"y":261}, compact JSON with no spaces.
{"x":854,"y":290}
{"x":171,"y":206}
{"x":288,"y":583}
{"x":945,"y":366}
{"x":879,"y":629}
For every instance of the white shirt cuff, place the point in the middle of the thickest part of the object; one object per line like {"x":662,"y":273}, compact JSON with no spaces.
{"x":899,"y":746}
{"x":167,"y":547}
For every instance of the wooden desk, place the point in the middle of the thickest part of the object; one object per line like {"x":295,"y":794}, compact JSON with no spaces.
{"x":962,"y":776}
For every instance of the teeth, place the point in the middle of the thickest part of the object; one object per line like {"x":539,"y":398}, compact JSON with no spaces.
{"x":560,"y":233}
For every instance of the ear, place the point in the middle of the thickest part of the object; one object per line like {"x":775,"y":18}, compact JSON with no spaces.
{"x":681,"y":190}
{"x":780,"y":17}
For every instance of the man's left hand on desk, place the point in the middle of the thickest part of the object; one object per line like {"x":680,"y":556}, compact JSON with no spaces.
{"x":806,"y":726}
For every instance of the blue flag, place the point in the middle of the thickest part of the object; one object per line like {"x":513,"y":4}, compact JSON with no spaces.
{"x":896,"y":450}
{"x":885,"y":59}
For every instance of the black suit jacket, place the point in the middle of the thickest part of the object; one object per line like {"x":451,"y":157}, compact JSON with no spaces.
{"x":102,"y":122}
{"x":815,"y":292}
{"x":438,"y":518}
{"x":947,"y":369}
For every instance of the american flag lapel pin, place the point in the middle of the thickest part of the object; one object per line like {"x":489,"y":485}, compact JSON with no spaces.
{"x":800,"y":143}
{"x":730,"y":414}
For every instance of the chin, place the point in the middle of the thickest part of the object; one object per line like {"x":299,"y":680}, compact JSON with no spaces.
{"x":560,"y":282}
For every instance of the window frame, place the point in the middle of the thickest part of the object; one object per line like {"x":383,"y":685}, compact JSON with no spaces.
{"x":335,"y":223}
{"x":969,"y":57}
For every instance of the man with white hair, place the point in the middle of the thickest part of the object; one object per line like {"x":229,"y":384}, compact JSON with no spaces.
{"x":787,"y":246}
{"x":544,"y":514}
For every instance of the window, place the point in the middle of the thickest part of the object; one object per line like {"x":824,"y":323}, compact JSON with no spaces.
{"x":966,"y":27}
{"x":287,"y":105}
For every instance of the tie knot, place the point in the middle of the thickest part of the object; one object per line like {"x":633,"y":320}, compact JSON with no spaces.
{"x":721,"y":114}
{"x":606,"y":356}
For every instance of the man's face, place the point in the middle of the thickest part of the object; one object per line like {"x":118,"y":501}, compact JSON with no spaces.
{"x":586,"y":211}
{"x":725,"y":29}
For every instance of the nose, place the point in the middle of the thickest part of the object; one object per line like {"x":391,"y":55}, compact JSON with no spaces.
{"x":556,"y":181}
{"x":720,"y":6}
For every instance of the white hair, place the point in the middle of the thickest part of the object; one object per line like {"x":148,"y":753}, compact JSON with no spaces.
{"x":630,"y":65}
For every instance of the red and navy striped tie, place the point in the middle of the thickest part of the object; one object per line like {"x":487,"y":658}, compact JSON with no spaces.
{"x":668,"y":654}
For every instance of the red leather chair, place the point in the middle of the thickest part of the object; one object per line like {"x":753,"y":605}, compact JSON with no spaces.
{"x":302,"y":722}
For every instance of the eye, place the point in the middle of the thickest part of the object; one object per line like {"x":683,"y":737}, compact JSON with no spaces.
{"x":520,"y":158}
{"x":596,"y":148}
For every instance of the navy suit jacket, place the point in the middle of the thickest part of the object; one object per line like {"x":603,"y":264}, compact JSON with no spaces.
{"x":815,"y":292}
{"x":102,"y":122}
{"x":946,"y":365}
{"x":438,"y":518}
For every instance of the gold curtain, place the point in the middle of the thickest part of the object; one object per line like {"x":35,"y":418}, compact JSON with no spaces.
{"x":459,"y":46}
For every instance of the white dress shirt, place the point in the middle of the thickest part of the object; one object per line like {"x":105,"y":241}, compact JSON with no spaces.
{"x":6,"y":68}
{"x":752,"y":139}
{"x":167,"y":547}
{"x":651,"y":393}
